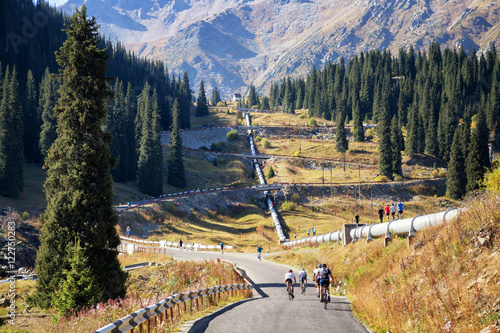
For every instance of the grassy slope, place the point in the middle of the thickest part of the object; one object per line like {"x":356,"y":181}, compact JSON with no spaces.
{"x":445,"y":282}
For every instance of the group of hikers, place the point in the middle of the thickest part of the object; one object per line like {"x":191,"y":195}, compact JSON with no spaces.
{"x":390,"y":210}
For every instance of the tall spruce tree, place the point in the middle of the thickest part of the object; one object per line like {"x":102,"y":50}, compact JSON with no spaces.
{"x":341,"y":143}
{"x":456,"y":177}
{"x":150,"y":164}
{"x":385,"y":149}
{"x":31,"y":121}
{"x":396,"y":147}
{"x":79,"y":185}
{"x":477,"y":160}
{"x":46,"y":102}
{"x":357,"y":128}
{"x":11,"y":137}
{"x":201,"y":105}
{"x":176,"y":174}
{"x":185,"y":103}
{"x":215,"y":98}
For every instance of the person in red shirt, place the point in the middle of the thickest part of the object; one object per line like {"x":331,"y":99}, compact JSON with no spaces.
{"x":387,"y":211}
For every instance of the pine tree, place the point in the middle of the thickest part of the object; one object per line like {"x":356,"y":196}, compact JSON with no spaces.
{"x":456,"y":177}
{"x":150,"y":164}
{"x":341,"y":143}
{"x":270,"y":173}
{"x":477,"y":160}
{"x":185,"y":103}
{"x":396,"y":148}
{"x":31,"y":122}
{"x":385,"y":149}
{"x":253,"y":99}
{"x":130,"y":114}
{"x":77,"y":288}
{"x":79,"y":185}
{"x":411,"y":144}
{"x":11,"y":137}
{"x":358,"y":130}
{"x":201,"y":106}
{"x":46,"y":102}
{"x":215,"y":98}
{"x":176,"y":175}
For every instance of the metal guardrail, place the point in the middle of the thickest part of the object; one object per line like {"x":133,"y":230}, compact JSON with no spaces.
{"x":127,"y":323}
{"x":400,"y":227}
{"x":135,"y":266}
{"x":165,"y":243}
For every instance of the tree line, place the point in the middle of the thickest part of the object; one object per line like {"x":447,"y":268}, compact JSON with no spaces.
{"x":137,"y":111}
{"x":446,"y":102}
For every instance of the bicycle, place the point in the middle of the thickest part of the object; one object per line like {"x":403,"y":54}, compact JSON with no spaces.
{"x":289,"y":291}
{"x":303,"y":288}
{"x":325,"y":298}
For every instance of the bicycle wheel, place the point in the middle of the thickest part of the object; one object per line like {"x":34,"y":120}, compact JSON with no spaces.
{"x":324,"y":299}
{"x":289,"y":290}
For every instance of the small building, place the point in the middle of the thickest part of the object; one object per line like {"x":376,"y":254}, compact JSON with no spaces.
{"x":236,"y":97}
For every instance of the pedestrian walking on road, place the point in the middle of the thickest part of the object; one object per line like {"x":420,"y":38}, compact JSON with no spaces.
{"x":180,"y":244}
{"x":381,"y":214}
{"x":400,"y":209}
{"x":387,"y":211}
{"x":393,"y":211}
{"x":222,"y":247}
{"x":259,"y":252}
{"x":128,"y":230}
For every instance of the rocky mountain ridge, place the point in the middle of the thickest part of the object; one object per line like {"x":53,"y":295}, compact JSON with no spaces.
{"x":233,"y":43}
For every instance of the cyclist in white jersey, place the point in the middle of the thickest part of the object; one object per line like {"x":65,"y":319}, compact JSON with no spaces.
{"x":290,"y":280}
{"x":303,"y":277}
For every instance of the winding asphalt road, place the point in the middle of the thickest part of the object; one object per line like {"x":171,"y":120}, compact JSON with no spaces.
{"x":270,"y":310}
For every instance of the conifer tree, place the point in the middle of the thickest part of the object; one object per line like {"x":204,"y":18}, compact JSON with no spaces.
{"x":341,"y":143}
{"x":176,"y":174}
{"x":46,"y":102}
{"x":358,"y":130}
{"x":215,"y":98}
{"x":253,"y":99}
{"x":31,"y":121}
{"x":79,"y":185}
{"x":385,"y":149}
{"x":11,"y":137}
{"x":456,"y":176}
{"x":477,"y":160}
{"x":77,"y":289}
{"x":201,"y":106}
{"x":130,"y":114}
{"x":396,"y":147}
{"x":185,"y":102}
{"x":150,"y":164}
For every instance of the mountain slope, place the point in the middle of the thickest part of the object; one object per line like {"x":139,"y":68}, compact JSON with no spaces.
{"x":232,"y":43}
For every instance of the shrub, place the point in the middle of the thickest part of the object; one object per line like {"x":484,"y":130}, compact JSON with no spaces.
{"x":270,"y":173}
{"x":203,"y":148}
{"x":266,"y":143}
{"x":435,"y":173}
{"x":442,"y":173}
{"x":302,"y":116}
{"x":312,"y":122}
{"x":295,"y":198}
{"x":397,"y":177}
{"x":254,"y":107}
{"x":258,"y":139}
{"x":287,"y":205}
{"x":221,"y":104}
{"x":232,"y":135}
{"x":25,"y":215}
{"x":381,"y":179}
{"x":296,"y":154}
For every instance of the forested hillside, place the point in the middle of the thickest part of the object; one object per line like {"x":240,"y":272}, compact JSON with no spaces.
{"x":29,"y":91}
{"x":448,"y":103}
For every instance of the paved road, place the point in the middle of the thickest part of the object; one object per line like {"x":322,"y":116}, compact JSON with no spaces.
{"x":270,"y":310}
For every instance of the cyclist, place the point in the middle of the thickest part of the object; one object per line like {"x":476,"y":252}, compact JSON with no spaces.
{"x":222,"y":247}
{"x":303,"y":278}
{"x":315,"y":278}
{"x":290,"y":280}
{"x":259,"y":252}
{"x":324,"y":276}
